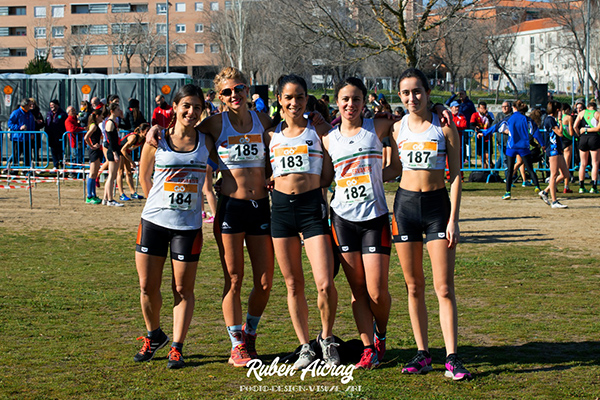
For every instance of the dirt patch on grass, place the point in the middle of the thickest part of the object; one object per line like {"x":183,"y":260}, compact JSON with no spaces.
{"x":485,"y":220}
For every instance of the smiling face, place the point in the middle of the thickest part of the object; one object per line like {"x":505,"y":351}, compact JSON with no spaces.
{"x":350,"y":101}
{"x":413,"y":94}
{"x":233,"y":93}
{"x":188,"y":111}
{"x":293,"y":100}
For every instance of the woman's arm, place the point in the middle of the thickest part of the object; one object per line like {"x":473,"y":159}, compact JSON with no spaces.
{"x":453,"y":152}
{"x":126,"y":146}
{"x":146,"y":168}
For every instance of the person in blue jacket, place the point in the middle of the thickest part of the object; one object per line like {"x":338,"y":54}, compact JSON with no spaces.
{"x":21,"y":123}
{"x":518,"y":127}
{"x":55,"y":128}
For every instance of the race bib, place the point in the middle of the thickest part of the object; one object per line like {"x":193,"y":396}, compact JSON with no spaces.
{"x":355,"y":189}
{"x":246,"y":148}
{"x":293,"y":159}
{"x":421,"y":155}
{"x":180,"y":195}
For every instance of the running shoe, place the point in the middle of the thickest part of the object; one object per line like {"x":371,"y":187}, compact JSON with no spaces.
{"x":567,"y":190}
{"x":250,"y":341}
{"x":113,"y":203}
{"x":104,"y":202}
{"x":537,"y":189}
{"x":582,"y":190}
{"x":305,"y":357}
{"x":93,"y":200}
{"x":124,"y":197}
{"x":594,"y":190}
{"x":175,"y":359}
{"x":368,"y":360}
{"x":209,"y":220}
{"x":150,"y":346}
{"x":330,"y":353}
{"x":420,"y":364}
{"x":239,"y":356}
{"x":506,"y":196}
{"x":203,"y":214}
{"x":527,"y":184}
{"x":556,"y":204}
{"x":455,"y":368}
{"x":544,"y":197}
{"x":137,"y":196}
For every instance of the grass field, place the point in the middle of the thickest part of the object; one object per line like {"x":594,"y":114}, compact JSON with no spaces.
{"x":69,"y":316}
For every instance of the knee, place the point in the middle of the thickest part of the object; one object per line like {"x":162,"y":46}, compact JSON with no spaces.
{"x":415,"y":289}
{"x":380,"y":297}
{"x":183,"y":292}
{"x":295,"y":287}
{"x":444,"y":291}
{"x":326,"y":289}
{"x":234,"y":282}
{"x":264,"y":286}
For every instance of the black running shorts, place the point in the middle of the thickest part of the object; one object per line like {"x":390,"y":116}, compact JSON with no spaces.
{"x":418,"y":213}
{"x":96,"y":155}
{"x":295,"y":213}
{"x":252,"y":217}
{"x":589,"y":142}
{"x":367,"y":237}
{"x":154,"y":240}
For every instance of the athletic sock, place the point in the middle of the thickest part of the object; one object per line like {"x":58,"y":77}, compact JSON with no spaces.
{"x":581,"y":183}
{"x":178,"y":346}
{"x":594,"y":183}
{"x":372,"y":347}
{"x":155,"y":333}
{"x":380,"y":336}
{"x":251,"y":324}
{"x":235,"y":335}
{"x":91,"y":187}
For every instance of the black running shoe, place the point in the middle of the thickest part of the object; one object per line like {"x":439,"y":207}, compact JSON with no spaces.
{"x":455,"y":369}
{"x":420,"y":364}
{"x":150,"y":346}
{"x":175,"y":359}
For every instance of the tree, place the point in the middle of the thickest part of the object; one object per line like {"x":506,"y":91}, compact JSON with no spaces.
{"x":376,"y":25}
{"x":125,"y":33}
{"x":38,"y":65}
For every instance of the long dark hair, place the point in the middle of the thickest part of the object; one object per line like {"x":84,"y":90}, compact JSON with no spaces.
{"x":291,"y":78}
{"x":350,"y":82}
{"x":185,"y":91}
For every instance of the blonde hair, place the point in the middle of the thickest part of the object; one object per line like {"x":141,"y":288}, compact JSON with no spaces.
{"x":228,"y":73}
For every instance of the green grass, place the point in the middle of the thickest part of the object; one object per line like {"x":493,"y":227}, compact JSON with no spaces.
{"x":69,"y":316}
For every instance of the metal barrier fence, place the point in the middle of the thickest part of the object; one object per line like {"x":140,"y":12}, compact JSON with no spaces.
{"x":32,"y":150}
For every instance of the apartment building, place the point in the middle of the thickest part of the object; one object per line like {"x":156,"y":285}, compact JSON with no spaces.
{"x":105,"y":36}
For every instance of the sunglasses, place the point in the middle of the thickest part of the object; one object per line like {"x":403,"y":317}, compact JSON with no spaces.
{"x":237,"y":89}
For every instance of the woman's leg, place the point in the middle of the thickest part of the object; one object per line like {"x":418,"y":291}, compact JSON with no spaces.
{"x":510,"y":160}
{"x":150,"y":270}
{"x":319,"y":253}
{"x":529,"y":166}
{"x":120,"y":175}
{"x":184,"y":278}
{"x":553,"y":175}
{"x":411,"y":261}
{"x":289,"y":257}
{"x":207,"y":189}
{"x":377,"y":274}
{"x":262,"y":258}
{"x":110,"y":181}
{"x":231,"y":250}
{"x":584,"y":159}
{"x":355,"y":274}
{"x":442,"y":264}
{"x":595,"y":164}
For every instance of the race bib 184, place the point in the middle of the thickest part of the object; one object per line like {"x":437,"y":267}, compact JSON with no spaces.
{"x":180,"y":195}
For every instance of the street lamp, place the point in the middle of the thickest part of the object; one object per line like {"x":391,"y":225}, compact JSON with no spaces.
{"x":436,"y":66}
{"x":167,"y":47}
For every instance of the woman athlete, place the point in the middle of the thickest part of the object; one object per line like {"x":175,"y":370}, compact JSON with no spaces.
{"x":296,"y":156}
{"x":172,"y":218}
{"x":113,"y":152}
{"x":130,"y":142}
{"x":558,"y":166}
{"x":93,"y":138}
{"x":359,"y":213}
{"x":587,"y":127}
{"x":422,"y":207}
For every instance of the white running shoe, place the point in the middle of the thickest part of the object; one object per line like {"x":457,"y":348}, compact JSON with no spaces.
{"x":113,"y":203}
{"x":305,"y":357}
{"x":330,"y":353}
{"x":556,"y":204}
{"x":544,"y":197}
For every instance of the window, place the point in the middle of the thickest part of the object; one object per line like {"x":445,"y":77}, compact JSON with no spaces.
{"x":139,"y":8}
{"x":214,"y":6}
{"x":17,"y":31}
{"x":58,"y":11}
{"x":18,"y":10}
{"x":39,"y":12}
{"x":4,"y":31}
{"x":199,"y":28}
{"x":161,"y":8}
{"x":214,"y":48}
{"x":228,"y":5}
{"x":58,"y":52}
{"x":4,"y":52}
{"x":98,"y":50}
{"x":199,"y":6}
{"x":96,"y":8}
{"x":39,"y":32}
{"x":98,"y":29}
{"x":161,"y":29}
{"x":121,"y":8}
{"x":199,"y":48}
{"x":181,"y":48}
{"x":213,"y":27}
{"x":58,"y":31}
{"x":180,"y":7}
{"x":41,"y":53}
{"x":180,"y":28}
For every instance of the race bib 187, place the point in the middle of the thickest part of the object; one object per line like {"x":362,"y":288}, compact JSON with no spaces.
{"x":421,"y":155}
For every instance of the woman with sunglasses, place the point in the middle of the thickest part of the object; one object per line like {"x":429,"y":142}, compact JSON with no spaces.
{"x":297,"y":160}
{"x":243,"y":215}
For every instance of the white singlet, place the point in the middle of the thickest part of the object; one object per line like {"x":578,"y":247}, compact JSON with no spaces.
{"x":296,"y":155}
{"x":358,"y":163}
{"x":425,"y":150}
{"x":241,"y":150}
{"x":174,"y":200}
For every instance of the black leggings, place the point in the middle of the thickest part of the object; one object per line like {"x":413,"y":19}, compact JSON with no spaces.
{"x":511,"y":167}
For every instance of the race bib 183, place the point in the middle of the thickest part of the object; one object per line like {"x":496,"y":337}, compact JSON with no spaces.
{"x":291,"y":159}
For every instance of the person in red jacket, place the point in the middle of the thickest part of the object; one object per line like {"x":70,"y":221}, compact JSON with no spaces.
{"x":162,"y":114}
{"x":482,"y":120}
{"x":461,"y":125}
{"x":76,"y":133}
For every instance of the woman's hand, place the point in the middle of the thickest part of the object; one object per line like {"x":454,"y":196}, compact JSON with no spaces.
{"x":153,"y":136}
{"x":452,"y":234}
